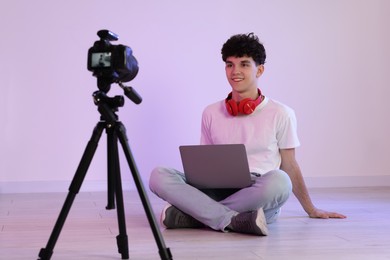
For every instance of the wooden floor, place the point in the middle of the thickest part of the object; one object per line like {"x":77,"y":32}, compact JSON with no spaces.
{"x":26,"y":221}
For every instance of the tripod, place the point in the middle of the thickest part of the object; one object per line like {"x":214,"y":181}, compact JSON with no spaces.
{"x":115,"y":130}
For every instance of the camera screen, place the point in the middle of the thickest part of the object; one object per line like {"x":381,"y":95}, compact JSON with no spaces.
{"x":101,"y":60}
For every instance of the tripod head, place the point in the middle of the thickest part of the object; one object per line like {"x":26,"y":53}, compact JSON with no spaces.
{"x":107,"y":106}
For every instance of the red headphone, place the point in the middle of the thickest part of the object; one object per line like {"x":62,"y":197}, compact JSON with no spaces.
{"x":245,"y":106}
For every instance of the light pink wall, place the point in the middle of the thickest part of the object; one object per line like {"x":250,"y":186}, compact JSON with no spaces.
{"x":326,"y":59}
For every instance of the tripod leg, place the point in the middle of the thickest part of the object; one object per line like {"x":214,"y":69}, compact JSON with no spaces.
{"x":112,"y":166}
{"x":74,"y":188}
{"x":115,"y":184}
{"x":164,"y":252}
{"x":121,"y":239}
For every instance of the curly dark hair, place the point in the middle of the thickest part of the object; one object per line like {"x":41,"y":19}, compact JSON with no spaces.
{"x":241,"y":45}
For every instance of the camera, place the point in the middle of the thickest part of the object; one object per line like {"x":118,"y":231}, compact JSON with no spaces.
{"x":111,"y":63}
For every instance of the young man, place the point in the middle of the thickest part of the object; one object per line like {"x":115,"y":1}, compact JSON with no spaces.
{"x":268,"y":130}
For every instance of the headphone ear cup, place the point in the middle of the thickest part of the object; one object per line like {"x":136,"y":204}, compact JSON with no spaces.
{"x":232,"y":107}
{"x":247,"y":106}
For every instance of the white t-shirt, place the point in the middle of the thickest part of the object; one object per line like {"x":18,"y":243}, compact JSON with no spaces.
{"x":272,"y":126}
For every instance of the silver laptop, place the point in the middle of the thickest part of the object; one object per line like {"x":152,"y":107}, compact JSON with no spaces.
{"x":223,"y":166}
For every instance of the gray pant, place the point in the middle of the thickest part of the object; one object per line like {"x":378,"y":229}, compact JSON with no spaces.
{"x":270,"y":192}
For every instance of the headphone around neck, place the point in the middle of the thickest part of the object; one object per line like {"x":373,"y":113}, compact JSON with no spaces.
{"x":245,"y":106}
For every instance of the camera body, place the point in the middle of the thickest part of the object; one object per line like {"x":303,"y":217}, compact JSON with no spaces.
{"x":111,"y":63}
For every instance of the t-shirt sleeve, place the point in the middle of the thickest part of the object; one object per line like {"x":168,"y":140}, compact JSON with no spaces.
{"x":205,"y":137}
{"x":287,"y":135}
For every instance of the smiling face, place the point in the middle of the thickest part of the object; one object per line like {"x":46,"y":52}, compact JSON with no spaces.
{"x":242,"y":74}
